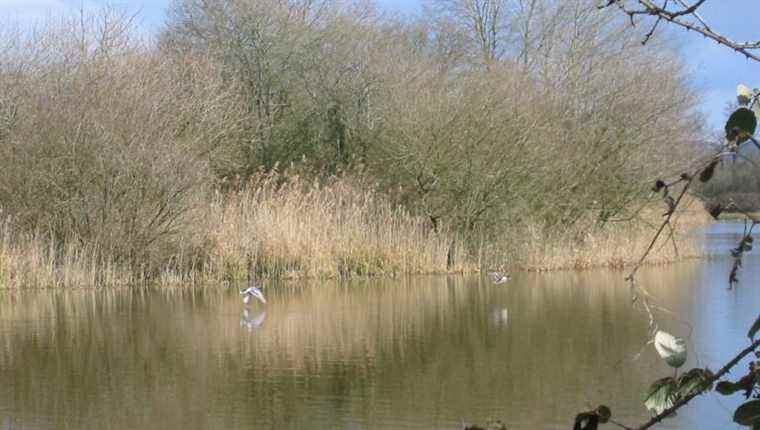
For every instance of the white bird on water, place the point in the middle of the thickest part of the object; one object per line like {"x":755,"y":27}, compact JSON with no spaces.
{"x":252,"y":291}
{"x":672,"y":349}
{"x":499,"y":278}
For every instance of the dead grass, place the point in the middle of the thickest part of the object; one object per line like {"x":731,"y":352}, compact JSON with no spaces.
{"x":34,"y":261}
{"x":291,"y":228}
{"x":616,"y":246}
{"x":295,"y":229}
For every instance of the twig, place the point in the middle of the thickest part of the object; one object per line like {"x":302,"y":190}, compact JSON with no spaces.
{"x":671,"y":238}
{"x":654,"y":27}
{"x":651,"y":32}
{"x":639,"y":263}
{"x":651,"y":9}
{"x":696,"y":15}
{"x":689,"y":178}
{"x":621,"y":425}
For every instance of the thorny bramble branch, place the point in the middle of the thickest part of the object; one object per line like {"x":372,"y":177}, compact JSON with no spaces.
{"x":689,"y":18}
{"x":704,"y":172}
{"x":705,"y":385}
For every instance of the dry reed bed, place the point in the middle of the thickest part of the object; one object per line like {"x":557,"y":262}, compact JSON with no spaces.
{"x":290,"y":228}
{"x":617,"y":246}
{"x":297,"y":229}
{"x":29,"y":260}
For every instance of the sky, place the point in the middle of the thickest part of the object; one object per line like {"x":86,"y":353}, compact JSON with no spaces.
{"x":716,"y":70}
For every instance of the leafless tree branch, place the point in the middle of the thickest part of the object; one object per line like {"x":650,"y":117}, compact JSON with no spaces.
{"x":649,"y":8}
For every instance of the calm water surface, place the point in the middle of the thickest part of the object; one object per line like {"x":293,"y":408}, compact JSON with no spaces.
{"x":421,"y":353}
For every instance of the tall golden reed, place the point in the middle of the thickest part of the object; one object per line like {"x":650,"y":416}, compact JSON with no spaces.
{"x":288,"y":227}
{"x":282,"y":226}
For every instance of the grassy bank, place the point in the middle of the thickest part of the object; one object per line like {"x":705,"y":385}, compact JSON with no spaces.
{"x":296,"y":229}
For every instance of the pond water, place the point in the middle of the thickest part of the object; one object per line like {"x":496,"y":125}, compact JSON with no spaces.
{"x":418,"y":353}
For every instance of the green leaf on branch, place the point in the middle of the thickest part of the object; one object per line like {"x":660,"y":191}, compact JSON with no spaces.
{"x":740,"y":125}
{"x":727,"y":387}
{"x":661,"y":396}
{"x":748,"y":414}
{"x":745,"y":384}
{"x":754,"y":329}
{"x":693,"y":381}
{"x":664,"y":392}
{"x":743,"y":94}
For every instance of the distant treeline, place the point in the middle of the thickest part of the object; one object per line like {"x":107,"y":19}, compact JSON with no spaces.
{"x":736,"y":184}
{"x":478,"y":123}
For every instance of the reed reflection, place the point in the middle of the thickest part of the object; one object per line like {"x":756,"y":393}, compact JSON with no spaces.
{"x":413,"y":353}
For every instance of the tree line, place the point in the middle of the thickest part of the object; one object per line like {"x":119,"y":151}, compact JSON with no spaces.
{"x":485,"y":117}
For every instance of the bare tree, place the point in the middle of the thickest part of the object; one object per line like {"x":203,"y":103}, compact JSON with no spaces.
{"x":483,"y":24}
{"x":258,"y":42}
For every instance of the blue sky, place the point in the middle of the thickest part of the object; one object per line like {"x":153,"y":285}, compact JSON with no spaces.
{"x":716,"y":69}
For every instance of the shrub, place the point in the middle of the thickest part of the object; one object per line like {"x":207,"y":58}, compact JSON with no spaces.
{"x":109,"y":143}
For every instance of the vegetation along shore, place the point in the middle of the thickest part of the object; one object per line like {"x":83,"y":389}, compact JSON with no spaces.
{"x":326,"y":140}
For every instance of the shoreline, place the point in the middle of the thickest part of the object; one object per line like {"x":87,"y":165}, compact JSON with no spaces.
{"x":288,"y":228}
{"x":77,"y":276}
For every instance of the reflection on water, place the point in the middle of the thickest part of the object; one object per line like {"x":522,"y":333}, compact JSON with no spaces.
{"x":724,"y":236}
{"x":252,"y":322}
{"x":501,"y":317}
{"x":416,"y":353}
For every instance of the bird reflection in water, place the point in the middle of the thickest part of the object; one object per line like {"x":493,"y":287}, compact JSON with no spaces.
{"x":252,"y":322}
{"x":499,"y":277}
{"x":501,"y":317}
